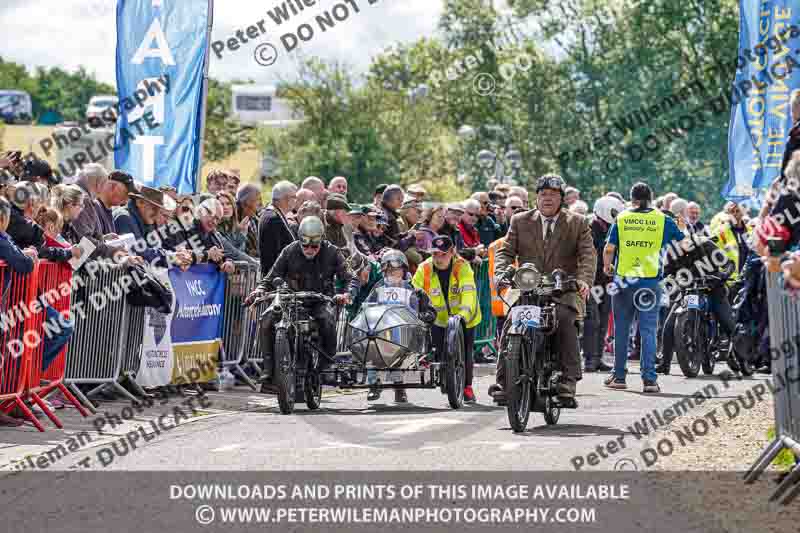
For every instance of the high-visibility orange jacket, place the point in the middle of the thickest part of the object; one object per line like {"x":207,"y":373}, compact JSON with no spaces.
{"x":499,"y":309}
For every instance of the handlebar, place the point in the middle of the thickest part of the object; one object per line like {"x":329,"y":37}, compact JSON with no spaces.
{"x":299,"y":295}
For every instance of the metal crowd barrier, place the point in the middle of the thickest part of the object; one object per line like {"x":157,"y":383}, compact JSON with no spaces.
{"x":132,"y":343}
{"x":784,"y":333}
{"x":237,"y":321}
{"x":97,"y":347}
{"x":485,"y":331}
{"x":241,"y":330}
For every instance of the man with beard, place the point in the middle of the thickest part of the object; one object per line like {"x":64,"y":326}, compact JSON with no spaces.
{"x":308,"y":264}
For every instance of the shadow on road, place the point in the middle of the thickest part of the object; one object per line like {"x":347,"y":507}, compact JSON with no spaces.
{"x":404,"y":409}
{"x":569,"y":430}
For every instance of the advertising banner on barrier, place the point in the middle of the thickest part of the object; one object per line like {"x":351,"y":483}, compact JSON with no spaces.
{"x":189,"y":337}
{"x":162,"y":58}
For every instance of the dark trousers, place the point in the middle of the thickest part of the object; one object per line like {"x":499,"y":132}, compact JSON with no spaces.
{"x":565,"y":341}
{"x":325,"y":320}
{"x":438,"y":336}
{"x":720,"y":306}
{"x":57,"y":337}
{"x":595,"y":327}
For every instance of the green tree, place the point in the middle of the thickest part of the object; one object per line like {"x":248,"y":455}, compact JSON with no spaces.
{"x":224,"y":135}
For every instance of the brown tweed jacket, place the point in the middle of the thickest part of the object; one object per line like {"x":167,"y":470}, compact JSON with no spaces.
{"x":570,"y":248}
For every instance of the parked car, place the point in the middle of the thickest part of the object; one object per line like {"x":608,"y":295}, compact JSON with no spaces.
{"x":98,"y":104}
{"x":15,"y":107}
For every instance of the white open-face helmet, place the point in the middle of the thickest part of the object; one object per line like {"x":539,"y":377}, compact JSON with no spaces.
{"x":607,"y":208}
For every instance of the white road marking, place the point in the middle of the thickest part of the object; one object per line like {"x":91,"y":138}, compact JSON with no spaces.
{"x":228,"y":448}
{"x":415,"y":426}
{"x":342,"y":445}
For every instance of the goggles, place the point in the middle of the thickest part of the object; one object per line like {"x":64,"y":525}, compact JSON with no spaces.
{"x":394,"y":263}
{"x":310,"y":243}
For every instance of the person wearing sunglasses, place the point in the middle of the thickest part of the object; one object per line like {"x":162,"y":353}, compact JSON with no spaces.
{"x":472,"y":239}
{"x":308,"y":264}
{"x":204,"y":241}
{"x":553,"y":238}
{"x":485,"y":224}
{"x":513,"y":205}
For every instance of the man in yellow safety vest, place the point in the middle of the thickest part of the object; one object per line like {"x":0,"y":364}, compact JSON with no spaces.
{"x":449,"y":282}
{"x":637,"y":238}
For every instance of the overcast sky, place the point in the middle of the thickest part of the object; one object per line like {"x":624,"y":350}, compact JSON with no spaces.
{"x":68,"y":33}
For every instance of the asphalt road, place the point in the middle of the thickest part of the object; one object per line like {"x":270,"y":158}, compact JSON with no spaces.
{"x":119,"y":481}
{"x":348,"y":433}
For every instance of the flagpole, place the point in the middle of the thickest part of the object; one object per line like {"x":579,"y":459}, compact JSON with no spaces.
{"x":198,"y":178}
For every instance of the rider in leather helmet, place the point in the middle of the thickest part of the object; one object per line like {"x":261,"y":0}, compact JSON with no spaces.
{"x":553,"y":238}
{"x":308,"y":264}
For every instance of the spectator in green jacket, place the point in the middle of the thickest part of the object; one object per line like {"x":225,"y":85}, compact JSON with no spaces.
{"x":368,"y":274}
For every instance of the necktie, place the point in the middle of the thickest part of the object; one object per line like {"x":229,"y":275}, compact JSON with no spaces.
{"x":549,"y":229}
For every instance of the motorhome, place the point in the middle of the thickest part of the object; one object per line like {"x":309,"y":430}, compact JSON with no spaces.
{"x":258,"y":105}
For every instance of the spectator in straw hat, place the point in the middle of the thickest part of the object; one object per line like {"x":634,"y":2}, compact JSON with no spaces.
{"x":139,"y":216}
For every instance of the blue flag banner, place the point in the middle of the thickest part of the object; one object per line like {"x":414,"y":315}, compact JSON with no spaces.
{"x":162,"y":55}
{"x":768,"y":73}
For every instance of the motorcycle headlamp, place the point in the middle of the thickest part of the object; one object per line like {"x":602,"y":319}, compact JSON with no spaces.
{"x":527,"y":277}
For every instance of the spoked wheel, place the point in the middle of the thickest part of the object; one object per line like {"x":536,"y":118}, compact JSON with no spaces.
{"x":341,"y":330}
{"x":707,"y":352}
{"x":518,"y":384}
{"x":552,"y":411}
{"x":284,"y":372}
{"x":686,"y":347}
{"x":313,"y":389}
{"x":454,"y":372}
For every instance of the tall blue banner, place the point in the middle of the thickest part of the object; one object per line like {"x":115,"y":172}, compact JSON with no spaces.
{"x":162,"y":49}
{"x":768,"y":72}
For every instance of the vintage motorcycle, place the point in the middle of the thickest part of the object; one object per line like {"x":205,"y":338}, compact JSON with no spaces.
{"x":699,"y":341}
{"x":532,"y":366}
{"x":298,"y":349}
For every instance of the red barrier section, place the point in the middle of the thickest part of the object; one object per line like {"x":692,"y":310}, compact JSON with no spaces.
{"x":53,"y":290}
{"x":15,"y":353}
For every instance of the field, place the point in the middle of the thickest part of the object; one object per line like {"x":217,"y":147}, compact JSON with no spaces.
{"x":27,"y":139}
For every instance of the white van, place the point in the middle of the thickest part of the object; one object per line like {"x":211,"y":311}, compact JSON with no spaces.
{"x":257,"y":105}
{"x":15,"y":107}
{"x":98,"y":104}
